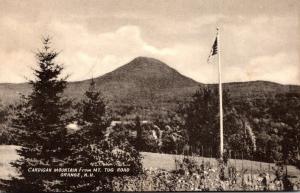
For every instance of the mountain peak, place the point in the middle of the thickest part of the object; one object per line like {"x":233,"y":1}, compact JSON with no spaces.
{"x":144,"y":59}
{"x":145,"y":66}
{"x":147,"y":63}
{"x":148,"y":72}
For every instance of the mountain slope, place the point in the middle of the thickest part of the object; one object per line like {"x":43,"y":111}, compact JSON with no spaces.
{"x":10,"y":93}
{"x":257,"y":89}
{"x":139,"y":81}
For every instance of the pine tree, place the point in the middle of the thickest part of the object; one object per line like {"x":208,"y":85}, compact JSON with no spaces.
{"x":93,"y":112}
{"x":42,"y":120}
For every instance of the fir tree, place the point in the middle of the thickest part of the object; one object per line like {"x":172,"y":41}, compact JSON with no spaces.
{"x":93,"y":113}
{"x":42,"y":119}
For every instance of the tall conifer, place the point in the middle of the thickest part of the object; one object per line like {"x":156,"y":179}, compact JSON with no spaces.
{"x":42,"y":118}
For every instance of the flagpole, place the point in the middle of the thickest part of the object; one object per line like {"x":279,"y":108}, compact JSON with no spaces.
{"x":220,"y":96}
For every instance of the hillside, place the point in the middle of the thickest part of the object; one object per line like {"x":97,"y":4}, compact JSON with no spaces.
{"x":257,"y":89}
{"x":147,"y":82}
{"x":10,"y":93}
{"x":140,"y":80}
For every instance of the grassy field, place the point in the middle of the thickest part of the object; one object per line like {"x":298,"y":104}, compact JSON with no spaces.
{"x":167,"y":162}
{"x":150,"y":160}
{"x":8,"y":154}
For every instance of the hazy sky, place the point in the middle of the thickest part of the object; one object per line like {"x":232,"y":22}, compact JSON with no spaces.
{"x":260,"y":39}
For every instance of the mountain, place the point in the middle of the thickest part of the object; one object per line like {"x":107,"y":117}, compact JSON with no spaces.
{"x":138,"y":77}
{"x":148,"y":82}
{"x":140,"y":83}
{"x":10,"y":92}
{"x":257,"y":89}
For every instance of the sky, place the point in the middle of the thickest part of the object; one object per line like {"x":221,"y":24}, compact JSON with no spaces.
{"x":259,"y":39}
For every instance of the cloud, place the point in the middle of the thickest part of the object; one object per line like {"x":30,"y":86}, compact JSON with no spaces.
{"x":244,"y":39}
{"x":104,"y":52}
{"x":281,"y":67}
{"x":14,"y":64}
{"x":261,"y":48}
{"x":83,"y":53}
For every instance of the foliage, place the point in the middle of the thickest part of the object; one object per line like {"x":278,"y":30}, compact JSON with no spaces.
{"x":7,"y":134}
{"x":93,"y":146}
{"x":203,"y":177}
{"x":202,"y":121}
{"x":275,"y":122}
{"x":264,"y":129}
{"x":173,"y":134}
{"x":285,"y":110}
{"x":87,"y":154}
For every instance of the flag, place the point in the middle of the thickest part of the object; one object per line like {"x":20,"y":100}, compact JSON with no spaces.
{"x":214,"y":49}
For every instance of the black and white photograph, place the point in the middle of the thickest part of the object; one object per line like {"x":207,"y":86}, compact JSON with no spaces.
{"x":149,"y":95}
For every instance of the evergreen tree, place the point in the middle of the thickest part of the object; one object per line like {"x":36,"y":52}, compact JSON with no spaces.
{"x":92,"y":113}
{"x":42,"y":119}
{"x":90,"y":147}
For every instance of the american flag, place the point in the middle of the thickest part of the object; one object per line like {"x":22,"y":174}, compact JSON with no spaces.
{"x":214,"y":49}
